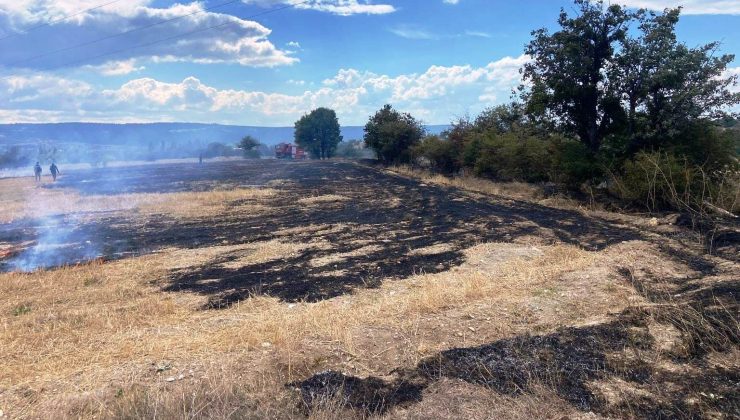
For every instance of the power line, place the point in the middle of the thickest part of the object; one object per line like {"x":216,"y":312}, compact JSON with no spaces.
{"x":170,"y":38}
{"x":120,"y":34}
{"x":61,"y":19}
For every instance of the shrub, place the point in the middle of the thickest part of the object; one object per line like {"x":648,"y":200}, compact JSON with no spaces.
{"x":573,"y":164}
{"x":512,"y":157}
{"x":441,"y":154}
{"x":662,"y":180}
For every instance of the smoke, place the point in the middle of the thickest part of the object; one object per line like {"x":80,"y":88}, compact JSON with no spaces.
{"x":58,"y":241}
{"x":52,"y":235}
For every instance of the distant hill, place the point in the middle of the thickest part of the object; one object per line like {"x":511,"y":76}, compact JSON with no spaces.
{"x":146,"y":134}
{"x":22,"y":144}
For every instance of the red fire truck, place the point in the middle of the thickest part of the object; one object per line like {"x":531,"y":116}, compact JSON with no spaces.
{"x":289,"y":151}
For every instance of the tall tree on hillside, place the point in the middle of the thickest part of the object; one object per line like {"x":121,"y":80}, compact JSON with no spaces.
{"x":319,"y":133}
{"x":391,"y":134}
{"x":567,"y":74}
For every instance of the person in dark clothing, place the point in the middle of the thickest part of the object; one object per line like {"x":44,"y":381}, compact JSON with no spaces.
{"x":37,"y":171}
{"x":54,"y":171}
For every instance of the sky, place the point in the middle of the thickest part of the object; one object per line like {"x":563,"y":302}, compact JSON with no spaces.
{"x":267,"y":62}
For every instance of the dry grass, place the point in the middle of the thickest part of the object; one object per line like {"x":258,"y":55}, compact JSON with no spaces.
{"x":22,"y":198}
{"x":512,"y":190}
{"x":320,"y":199}
{"x":104,"y":340}
{"x":107,"y":323}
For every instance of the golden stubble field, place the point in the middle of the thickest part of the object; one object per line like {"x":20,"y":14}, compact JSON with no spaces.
{"x":114,"y":339}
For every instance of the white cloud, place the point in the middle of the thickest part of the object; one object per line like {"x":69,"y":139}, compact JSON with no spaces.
{"x":690,"y":7}
{"x":478,"y":34}
{"x":435,"y":95}
{"x":733,"y":72}
{"x":413,"y":32}
{"x":117,"y":68}
{"x":337,"y":7}
{"x":234,"y":40}
{"x":451,"y":1}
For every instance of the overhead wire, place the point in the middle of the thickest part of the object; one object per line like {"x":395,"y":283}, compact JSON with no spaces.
{"x":170,"y":38}
{"x":119,"y":34}
{"x":182,"y":35}
{"x":53,"y":21}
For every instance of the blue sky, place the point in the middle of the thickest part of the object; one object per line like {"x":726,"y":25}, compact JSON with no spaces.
{"x":438,"y":59}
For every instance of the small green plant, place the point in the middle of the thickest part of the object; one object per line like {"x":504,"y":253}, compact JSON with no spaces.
{"x":21,"y":309}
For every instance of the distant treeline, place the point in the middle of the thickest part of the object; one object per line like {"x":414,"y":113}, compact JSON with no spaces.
{"x":23,"y":144}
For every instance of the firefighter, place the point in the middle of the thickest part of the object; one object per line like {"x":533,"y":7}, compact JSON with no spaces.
{"x":54,"y":171}
{"x":37,"y":171}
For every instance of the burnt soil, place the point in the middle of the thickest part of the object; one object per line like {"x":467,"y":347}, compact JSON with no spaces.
{"x":391,"y":213}
{"x":571,"y":359}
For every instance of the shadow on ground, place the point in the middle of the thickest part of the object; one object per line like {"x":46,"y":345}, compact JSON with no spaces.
{"x":380,"y":227}
{"x":571,"y":361}
{"x":384,"y":220}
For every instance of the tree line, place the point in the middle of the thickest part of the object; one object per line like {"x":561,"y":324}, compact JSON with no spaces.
{"x":611,"y":99}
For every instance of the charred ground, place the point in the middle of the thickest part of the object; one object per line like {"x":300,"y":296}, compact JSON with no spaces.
{"x":620,"y":318}
{"x":375,"y":218}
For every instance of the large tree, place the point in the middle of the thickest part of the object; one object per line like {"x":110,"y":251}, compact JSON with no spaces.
{"x":391,"y":134}
{"x":567,"y":73}
{"x":665,"y":86}
{"x":319,"y":133}
{"x":594,"y":79}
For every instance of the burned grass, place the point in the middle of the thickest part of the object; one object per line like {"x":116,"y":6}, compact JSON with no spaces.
{"x":428,"y":217}
{"x":505,"y":307}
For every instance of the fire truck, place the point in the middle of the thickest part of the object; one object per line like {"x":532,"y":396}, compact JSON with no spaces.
{"x":289,"y":151}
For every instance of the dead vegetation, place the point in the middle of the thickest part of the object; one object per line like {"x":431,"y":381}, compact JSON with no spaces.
{"x":523,"y":326}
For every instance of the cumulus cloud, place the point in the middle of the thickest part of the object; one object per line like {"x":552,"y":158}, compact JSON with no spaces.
{"x":337,"y":7}
{"x":690,"y":7}
{"x":233,"y":40}
{"x":435,"y":95}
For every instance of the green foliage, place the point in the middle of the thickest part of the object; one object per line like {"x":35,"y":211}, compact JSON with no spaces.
{"x":217,"y":149}
{"x":567,"y":73}
{"x":391,"y":135}
{"x":663,"y":180}
{"x":249,"y":146}
{"x":318,"y":133}
{"x":594,"y":78}
{"x":611,"y":91}
{"x":441,"y":154}
{"x":513,"y":157}
{"x":21,"y":309}
{"x":573,"y":164}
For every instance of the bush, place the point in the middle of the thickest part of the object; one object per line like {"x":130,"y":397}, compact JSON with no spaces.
{"x":392,"y":135}
{"x":441,"y":154}
{"x":663,"y":180}
{"x":511,"y":157}
{"x":573,"y":164}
